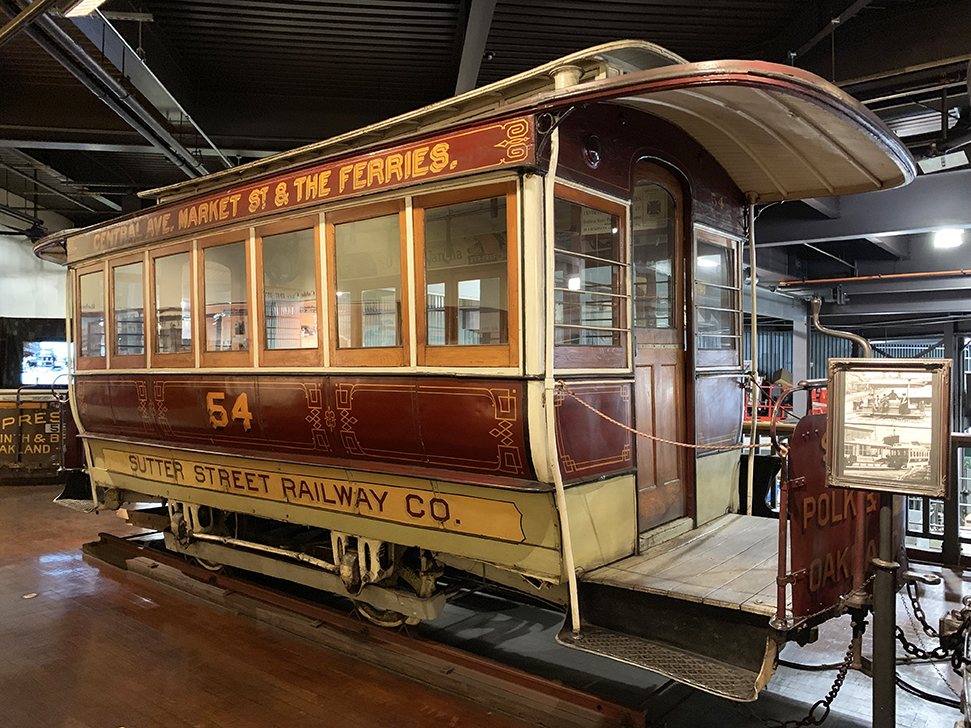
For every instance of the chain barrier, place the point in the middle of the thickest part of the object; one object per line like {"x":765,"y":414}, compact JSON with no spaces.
{"x":951,"y":646}
{"x":562,"y":387}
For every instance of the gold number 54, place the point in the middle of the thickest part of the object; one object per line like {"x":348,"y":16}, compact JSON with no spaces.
{"x":219,"y":418}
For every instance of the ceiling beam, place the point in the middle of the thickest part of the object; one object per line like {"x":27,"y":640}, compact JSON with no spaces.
{"x":473,"y":48}
{"x":930,"y":202}
{"x":828,"y":206}
{"x":122,"y":148}
{"x":24,"y":18}
{"x":956,"y":301}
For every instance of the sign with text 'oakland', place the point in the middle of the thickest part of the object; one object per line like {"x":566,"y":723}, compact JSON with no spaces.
{"x":491,"y":146}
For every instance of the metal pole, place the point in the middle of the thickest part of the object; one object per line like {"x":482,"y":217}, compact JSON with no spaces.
{"x":24,"y":18}
{"x":884,"y":619}
{"x":753,"y":435}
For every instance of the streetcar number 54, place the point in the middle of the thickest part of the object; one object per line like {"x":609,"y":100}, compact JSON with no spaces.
{"x":219,"y":418}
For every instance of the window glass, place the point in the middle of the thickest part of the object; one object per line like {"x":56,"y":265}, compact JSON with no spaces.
{"x":92,"y":332}
{"x":716,"y":297}
{"x":129,"y":310}
{"x":173,"y":304}
{"x":653,"y":247}
{"x":227,"y":297}
{"x":588,"y":278}
{"x":465,"y":273}
{"x":368,"y":256}
{"x":290,"y":290}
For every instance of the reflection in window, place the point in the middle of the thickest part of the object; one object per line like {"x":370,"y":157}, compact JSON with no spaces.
{"x":290,"y":290}
{"x":92,"y":332}
{"x":588,"y":278}
{"x":716,"y":297}
{"x":368,"y":256}
{"x":465,"y":273}
{"x":227,"y":299}
{"x":129,"y":310}
{"x":653,"y":249}
{"x":173,"y":304}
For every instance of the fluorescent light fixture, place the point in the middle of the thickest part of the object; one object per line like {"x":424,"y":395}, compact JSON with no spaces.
{"x":948,"y":238}
{"x":574,"y":283}
{"x":945,"y":161}
{"x":708,"y":261}
{"x":85,"y":7}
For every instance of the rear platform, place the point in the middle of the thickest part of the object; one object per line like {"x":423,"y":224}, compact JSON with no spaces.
{"x":710,"y":594}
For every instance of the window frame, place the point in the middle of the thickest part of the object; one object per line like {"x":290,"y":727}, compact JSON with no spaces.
{"x":223,"y":358}
{"x":289,"y":357}
{"x":125,"y":361}
{"x":465,"y":355}
{"x":90,"y":362}
{"x":373,"y":356}
{"x":567,"y":356}
{"x":179,"y":360}
{"x":714,"y":358}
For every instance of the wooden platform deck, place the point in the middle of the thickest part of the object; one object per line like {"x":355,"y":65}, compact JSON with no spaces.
{"x":730,"y":563}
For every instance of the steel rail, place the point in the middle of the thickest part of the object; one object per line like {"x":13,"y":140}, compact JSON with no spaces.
{"x":413,"y":649}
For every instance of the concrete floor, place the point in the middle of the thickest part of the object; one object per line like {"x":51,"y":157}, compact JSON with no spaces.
{"x":85,"y":646}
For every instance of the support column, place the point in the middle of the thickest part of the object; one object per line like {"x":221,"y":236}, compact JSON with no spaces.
{"x":951,"y":548}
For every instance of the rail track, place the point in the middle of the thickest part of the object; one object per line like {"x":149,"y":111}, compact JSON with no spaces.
{"x":511,"y":690}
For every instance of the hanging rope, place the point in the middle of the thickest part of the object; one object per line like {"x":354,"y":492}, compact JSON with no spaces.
{"x":562,"y":387}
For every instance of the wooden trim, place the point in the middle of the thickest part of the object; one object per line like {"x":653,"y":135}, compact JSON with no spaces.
{"x":242,"y":358}
{"x":717,"y":357}
{"x":125,"y":361}
{"x":377,"y":356}
{"x":179,"y":359}
{"x":288,"y":357}
{"x":501,"y":355}
{"x":89,"y":362}
{"x":598,"y":357}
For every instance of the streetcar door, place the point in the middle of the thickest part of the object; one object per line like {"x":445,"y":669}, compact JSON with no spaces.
{"x":659,"y":355}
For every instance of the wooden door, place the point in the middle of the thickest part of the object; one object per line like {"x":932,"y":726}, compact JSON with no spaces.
{"x":657,"y":257}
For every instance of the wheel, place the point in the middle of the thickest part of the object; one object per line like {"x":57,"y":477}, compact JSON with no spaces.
{"x":382,"y":617}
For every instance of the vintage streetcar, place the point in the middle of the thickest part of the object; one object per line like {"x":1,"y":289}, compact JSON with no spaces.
{"x":378,"y":363}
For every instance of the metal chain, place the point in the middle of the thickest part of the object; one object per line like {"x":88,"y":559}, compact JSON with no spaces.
{"x":826,"y":703}
{"x":918,"y":610}
{"x":561,"y":387}
{"x":951,"y":647}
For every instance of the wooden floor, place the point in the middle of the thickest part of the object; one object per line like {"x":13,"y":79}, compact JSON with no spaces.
{"x":731,"y":562}
{"x":86,"y":646}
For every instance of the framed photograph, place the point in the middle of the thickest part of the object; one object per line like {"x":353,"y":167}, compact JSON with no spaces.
{"x":888,"y":425}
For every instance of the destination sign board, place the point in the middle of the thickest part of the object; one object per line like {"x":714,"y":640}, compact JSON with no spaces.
{"x":490,"y":146}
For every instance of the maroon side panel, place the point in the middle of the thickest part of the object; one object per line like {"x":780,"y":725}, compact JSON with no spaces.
{"x":428,"y":423}
{"x":823,"y":523}
{"x":590,"y":446}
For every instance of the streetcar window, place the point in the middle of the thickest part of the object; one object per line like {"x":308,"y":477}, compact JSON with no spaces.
{"x":368,"y":282}
{"x":129,"y":310}
{"x":173,"y":304}
{"x":716,"y":296}
{"x":588,"y":281}
{"x":653,"y":247}
{"x":91,"y":340}
{"x":466,"y":273}
{"x":226,"y":297}
{"x":290,"y":290}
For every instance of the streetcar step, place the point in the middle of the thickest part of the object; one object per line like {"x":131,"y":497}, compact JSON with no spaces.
{"x":77,"y":493}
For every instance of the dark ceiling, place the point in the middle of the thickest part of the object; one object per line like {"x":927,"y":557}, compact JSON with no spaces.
{"x":146,"y":93}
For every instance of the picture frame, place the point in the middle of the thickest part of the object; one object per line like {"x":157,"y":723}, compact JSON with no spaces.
{"x":888,"y":425}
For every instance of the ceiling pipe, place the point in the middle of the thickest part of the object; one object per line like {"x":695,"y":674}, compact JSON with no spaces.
{"x":75,"y":59}
{"x":47,"y":187}
{"x":830,"y":28}
{"x":24,"y":18}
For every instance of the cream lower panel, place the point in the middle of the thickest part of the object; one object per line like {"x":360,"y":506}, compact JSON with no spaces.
{"x":716,"y":476}
{"x":603,"y":521}
{"x":516,"y":529}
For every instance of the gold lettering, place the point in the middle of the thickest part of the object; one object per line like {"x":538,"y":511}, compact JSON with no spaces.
{"x":298,"y":186}
{"x":345,"y":174}
{"x":322,"y":179}
{"x":375,"y":171}
{"x":439,"y":157}
{"x":233,"y":200}
{"x":183,"y":218}
{"x":358,"y":182}
{"x":808,"y":511}
{"x":393,"y":166}
{"x":417,"y":157}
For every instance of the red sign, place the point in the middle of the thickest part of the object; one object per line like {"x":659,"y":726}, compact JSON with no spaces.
{"x":823,"y":524}
{"x":485,"y":147}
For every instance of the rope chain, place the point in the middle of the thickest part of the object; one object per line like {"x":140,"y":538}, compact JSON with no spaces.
{"x":561,"y":387}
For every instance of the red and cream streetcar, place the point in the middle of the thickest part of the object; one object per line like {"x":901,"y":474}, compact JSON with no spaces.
{"x":340,"y":365}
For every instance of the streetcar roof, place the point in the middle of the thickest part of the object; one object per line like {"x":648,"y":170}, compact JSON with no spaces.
{"x":781,"y":133}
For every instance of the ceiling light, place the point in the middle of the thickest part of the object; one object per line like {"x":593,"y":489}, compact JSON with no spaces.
{"x":708,"y":261}
{"x":85,"y":7}
{"x":948,"y":238}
